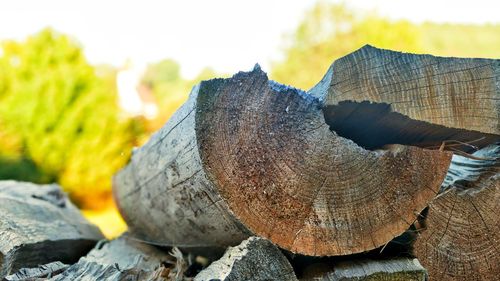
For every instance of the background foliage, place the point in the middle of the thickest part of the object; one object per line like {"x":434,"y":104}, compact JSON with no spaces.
{"x":59,"y":120}
{"x":330,"y":31}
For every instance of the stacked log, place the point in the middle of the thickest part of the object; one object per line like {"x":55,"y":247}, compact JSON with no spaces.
{"x":342,"y":169}
{"x":121,"y":259}
{"x":254,"y":259}
{"x":373,"y":270}
{"x":39,"y":225}
{"x":460,"y":234}
{"x":294,"y":185}
{"x":246,"y":151}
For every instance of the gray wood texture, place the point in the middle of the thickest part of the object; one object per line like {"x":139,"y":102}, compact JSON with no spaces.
{"x":164,"y":194}
{"x":38,"y":273}
{"x":398,"y":269}
{"x":121,"y":259}
{"x":39,"y":225}
{"x":254,"y":259}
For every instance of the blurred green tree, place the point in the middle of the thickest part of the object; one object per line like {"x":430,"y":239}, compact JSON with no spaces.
{"x":169,"y":88}
{"x":329,"y":31}
{"x":59,"y":120}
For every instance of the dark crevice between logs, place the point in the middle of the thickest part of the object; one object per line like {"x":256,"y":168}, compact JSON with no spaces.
{"x":463,"y":175}
{"x":305,"y":265}
{"x":29,"y":255}
{"x":374,"y":125}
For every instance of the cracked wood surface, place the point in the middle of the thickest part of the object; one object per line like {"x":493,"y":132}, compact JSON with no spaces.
{"x":460,"y":235}
{"x":165,"y":196}
{"x":41,"y":272}
{"x":119,"y":259}
{"x":396,"y":269}
{"x":263,"y":152}
{"x":460,"y":97}
{"x":39,"y":225}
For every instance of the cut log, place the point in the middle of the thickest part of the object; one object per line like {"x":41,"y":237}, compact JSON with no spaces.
{"x":254,"y":259}
{"x":373,"y":270}
{"x":164,"y":194}
{"x":461,"y":232}
{"x":121,"y":259}
{"x":248,"y":153}
{"x":40,"y":225}
{"x":40,"y":272}
{"x":376,"y":97}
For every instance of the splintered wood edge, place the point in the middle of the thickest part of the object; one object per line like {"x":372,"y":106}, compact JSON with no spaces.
{"x":290,"y":179}
{"x":393,"y":269}
{"x":461,"y":93}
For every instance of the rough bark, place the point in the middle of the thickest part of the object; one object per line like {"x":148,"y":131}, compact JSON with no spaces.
{"x":460,"y":235}
{"x":164,"y":194}
{"x":38,"y":273}
{"x":248,"y":151}
{"x":254,"y":259}
{"x":120,"y":259}
{"x":400,"y":269}
{"x":375,"y":97}
{"x":39,"y":225}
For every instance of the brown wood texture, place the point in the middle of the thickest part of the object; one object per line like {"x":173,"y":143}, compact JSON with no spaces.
{"x":263,"y":155}
{"x":460,"y":236}
{"x":412,"y":99}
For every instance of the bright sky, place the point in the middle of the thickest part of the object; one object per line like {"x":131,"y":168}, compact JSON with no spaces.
{"x":228,"y":35}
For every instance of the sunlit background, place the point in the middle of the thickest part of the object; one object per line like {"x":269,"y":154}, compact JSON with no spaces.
{"x":82,"y":82}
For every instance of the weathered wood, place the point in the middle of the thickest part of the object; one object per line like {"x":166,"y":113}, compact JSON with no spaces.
{"x":40,"y":272}
{"x":254,"y":259}
{"x":39,"y":225}
{"x":373,"y":270}
{"x":376,"y":97}
{"x":164,"y":194}
{"x":460,"y":235}
{"x":121,"y":259}
{"x":262,"y":151}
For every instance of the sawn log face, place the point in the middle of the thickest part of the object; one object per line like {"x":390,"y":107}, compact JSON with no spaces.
{"x":287,"y":177}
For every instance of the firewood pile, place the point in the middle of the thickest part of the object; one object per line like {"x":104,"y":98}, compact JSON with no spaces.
{"x":387,"y":169}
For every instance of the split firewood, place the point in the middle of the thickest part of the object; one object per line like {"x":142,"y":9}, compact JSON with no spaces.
{"x":39,"y":225}
{"x":123,"y":259}
{"x":459,"y":238}
{"x":248,"y":155}
{"x":254,"y":259}
{"x":376,"y":97}
{"x":373,"y":270}
{"x":41,"y":272}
